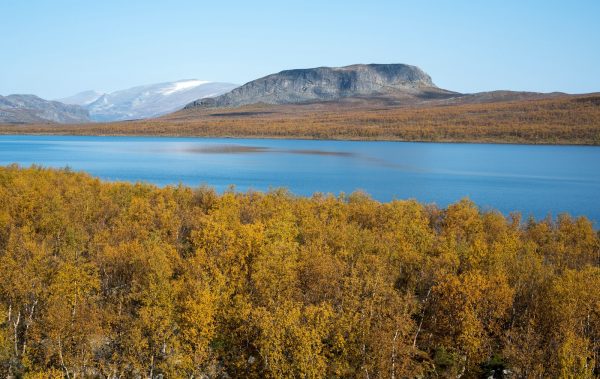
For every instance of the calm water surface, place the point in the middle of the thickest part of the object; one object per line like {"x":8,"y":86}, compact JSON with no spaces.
{"x":536,"y":180}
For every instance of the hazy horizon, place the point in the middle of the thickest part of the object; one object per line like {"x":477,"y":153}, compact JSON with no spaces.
{"x":61,"y":48}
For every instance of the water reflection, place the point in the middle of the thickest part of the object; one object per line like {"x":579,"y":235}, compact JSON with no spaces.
{"x":243,"y":149}
{"x":237,"y":149}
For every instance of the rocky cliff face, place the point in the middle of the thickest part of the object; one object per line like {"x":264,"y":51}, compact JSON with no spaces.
{"x":325,"y":84}
{"x":30,"y":109}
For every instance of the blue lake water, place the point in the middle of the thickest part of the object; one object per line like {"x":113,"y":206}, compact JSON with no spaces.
{"x":536,"y":180}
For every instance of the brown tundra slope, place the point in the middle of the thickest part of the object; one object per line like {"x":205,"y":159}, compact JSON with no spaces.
{"x":503,"y":117}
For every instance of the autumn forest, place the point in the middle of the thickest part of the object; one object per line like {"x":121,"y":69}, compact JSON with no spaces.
{"x":120,"y":280}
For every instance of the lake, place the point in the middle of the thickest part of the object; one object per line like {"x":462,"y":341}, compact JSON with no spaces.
{"x":536,"y":180}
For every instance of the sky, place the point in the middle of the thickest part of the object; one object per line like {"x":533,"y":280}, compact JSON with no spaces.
{"x":56,"y":48}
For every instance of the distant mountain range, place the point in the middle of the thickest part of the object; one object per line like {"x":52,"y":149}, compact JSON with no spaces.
{"x":389,"y":84}
{"x":134,"y":103}
{"x":145,"y":101}
{"x":17,"y":109}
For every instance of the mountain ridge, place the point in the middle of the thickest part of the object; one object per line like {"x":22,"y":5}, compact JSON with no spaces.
{"x":24,"y":108}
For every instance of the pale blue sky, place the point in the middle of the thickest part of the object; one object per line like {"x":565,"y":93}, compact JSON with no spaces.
{"x":55,"y":48}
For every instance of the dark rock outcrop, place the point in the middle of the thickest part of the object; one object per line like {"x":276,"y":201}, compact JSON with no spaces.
{"x":328,"y":84}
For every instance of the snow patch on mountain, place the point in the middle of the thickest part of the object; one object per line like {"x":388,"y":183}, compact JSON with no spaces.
{"x":183,"y":85}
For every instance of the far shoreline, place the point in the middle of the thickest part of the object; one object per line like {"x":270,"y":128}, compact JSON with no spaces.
{"x":305,"y":138}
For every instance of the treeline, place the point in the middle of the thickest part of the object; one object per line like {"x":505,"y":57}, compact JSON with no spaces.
{"x":119,"y":280}
{"x":560,"y":120}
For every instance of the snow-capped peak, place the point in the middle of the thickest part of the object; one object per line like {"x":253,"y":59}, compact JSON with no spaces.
{"x":183,"y":85}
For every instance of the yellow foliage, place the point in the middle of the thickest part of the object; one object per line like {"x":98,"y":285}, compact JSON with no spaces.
{"x":131,"y":280}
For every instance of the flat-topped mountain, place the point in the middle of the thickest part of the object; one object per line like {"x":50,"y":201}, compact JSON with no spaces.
{"x":17,"y":109}
{"x":330,"y":83}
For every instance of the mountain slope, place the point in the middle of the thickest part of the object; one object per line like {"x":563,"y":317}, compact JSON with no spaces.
{"x":148,"y":100}
{"x":30,"y":109}
{"x":331,"y":83}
